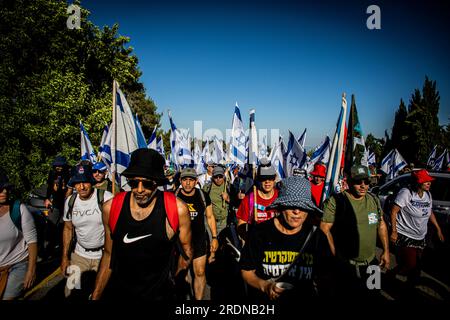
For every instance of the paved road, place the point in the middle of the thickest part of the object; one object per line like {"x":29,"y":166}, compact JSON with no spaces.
{"x":434,"y":284}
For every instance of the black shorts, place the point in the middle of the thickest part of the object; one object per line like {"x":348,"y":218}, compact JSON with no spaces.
{"x":199,"y":245}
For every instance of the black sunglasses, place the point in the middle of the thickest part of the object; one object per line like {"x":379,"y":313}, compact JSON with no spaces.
{"x":360,"y":181}
{"x":147,"y":184}
{"x":98,"y":171}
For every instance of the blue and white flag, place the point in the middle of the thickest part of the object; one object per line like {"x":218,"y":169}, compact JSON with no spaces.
{"x":87,"y":152}
{"x":160,"y":146}
{"x":253,"y":141}
{"x":321,"y":153}
{"x":140,"y":134}
{"x":302,"y":139}
{"x":124,"y":129}
{"x":262,"y":148}
{"x":152,"y":141}
{"x":218,"y":156}
{"x":173,"y":140}
{"x":238,"y":152}
{"x":206,"y":154}
{"x":103,"y":140}
{"x":392,"y":164}
{"x":432,"y":158}
{"x":183,"y":148}
{"x":296,"y":156}
{"x":277,"y":160}
{"x":334,"y":165}
{"x":371,"y":159}
{"x":441,"y":161}
{"x":200,"y":164}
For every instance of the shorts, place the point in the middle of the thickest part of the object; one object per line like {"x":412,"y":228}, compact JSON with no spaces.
{"x":14,"y":286}
{"x":407,"y":242}
{"x":199,"y":245}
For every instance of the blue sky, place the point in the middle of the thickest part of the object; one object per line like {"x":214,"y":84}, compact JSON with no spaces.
{"x":290,"y":60}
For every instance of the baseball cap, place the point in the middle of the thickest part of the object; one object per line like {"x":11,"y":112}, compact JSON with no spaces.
{"x":188,"y":173}
{"x":358,"y":172}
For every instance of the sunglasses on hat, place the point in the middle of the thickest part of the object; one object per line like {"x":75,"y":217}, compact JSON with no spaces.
{"x":147,"y":184}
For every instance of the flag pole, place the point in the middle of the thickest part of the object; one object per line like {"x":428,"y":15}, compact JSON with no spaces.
{"x":114,"y":140}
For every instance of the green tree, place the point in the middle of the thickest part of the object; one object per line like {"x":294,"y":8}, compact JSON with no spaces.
{"x":52,"y":77}
{"x":375,"y":145}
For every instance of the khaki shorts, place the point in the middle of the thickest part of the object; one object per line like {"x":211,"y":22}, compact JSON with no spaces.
{"x":84,"y":264}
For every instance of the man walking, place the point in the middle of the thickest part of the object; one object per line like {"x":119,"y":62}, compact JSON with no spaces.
{"x":141,"y":228}
{"x":351,"y":221}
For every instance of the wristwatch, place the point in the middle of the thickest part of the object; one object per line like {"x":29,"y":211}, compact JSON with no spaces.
{"x":214,"y":237}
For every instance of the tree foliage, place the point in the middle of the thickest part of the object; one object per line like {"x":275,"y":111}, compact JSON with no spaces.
{"x":52,"y":77}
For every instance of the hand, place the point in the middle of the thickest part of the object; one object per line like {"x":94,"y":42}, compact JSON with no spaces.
{"x":184,"y":264}
{"x":272,"y":290}
{"x":393,"y":237}
{"x":30,"y":276}
{"x":47,"y":203}
{"x":212,"y":257}
{"x":214,"y":245}
{"x":64,"y":264}
{"x":225,"y":197}
{"x":241,"y":195}
{"x":385,"y":260}
{"x":440,"y":235}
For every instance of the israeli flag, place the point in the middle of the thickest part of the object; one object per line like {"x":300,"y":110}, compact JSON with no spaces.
{"x":432,"y":157}
{"x":262,"y":148}
{"x":200,"y":165}
{"x":277,"y":160}
{"x":183,"y":147}
{"x":152,"y":141}
{"x":127,"y":136}
{"x":103,"y":141}
{"x":321,"y":153}
{"x":140,"y":133}
{"x":296,"y":155}
{"x":238,"y":139}
{"x":392,"y":164}
{"x":253,"y":141}
{"x":302,"y":139}
{"x":206,"y":154}
{"x":87,"y":152}
{"x":218,"y":155}
{"x":371,"y":159}
{"x":440,"y":161}
{"x":160,"y":146}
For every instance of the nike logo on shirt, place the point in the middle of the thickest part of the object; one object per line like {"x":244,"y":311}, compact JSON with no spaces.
{"x":130,"y":240}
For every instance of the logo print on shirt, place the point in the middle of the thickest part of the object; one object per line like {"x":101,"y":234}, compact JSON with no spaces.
{"x":130,"y":240}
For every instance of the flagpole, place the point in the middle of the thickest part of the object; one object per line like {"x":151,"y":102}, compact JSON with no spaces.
{"x":114,"y":140}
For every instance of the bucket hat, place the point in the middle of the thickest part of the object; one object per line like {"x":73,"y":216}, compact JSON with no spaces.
{"x":295,"y":192}
{"x":319,"y":170}
{"x":146,"y":163}
{"x":421,"y":176}
{"x":81,"y":173}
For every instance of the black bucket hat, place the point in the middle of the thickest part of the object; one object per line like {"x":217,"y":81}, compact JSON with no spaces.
{"x":59,"y":161}
{"x":146,"y":163}
{"x":81,"y":173}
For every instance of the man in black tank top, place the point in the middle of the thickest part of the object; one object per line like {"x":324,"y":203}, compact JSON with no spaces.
{"x":138,"y":254}
{"x":199,"y":206}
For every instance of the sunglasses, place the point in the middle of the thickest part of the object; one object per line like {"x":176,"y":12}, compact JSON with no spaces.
{"x":147,"y":184}
{"x":98,"y":171}
{"x":218,"y":177}
{"x":360,"y":181}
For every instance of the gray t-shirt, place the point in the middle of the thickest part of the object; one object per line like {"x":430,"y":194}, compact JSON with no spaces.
{"x":415,"y":211}
{"x":13,"y":243}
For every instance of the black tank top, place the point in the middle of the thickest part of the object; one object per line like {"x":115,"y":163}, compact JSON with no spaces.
{"x":141,"y":254}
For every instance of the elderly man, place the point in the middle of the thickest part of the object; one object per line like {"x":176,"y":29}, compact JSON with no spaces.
{"x":351,"y":221}
{"x":141,"y":228}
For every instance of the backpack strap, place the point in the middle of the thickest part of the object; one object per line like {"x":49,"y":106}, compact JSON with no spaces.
{"x":202,"y":195}
{"x":71,"y":203}
{"x":15,"y":215}
{"x":116,"y":207}
{"x":170,"y":204}
{"x":100,"y":198}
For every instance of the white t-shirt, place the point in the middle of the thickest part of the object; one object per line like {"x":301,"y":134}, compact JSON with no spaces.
{"x":87,"y":221}
{"x":415,"y":212}
{"x":13,"y":243}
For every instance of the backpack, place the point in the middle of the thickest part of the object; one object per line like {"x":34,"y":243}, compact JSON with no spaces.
{"x":15,"y":215}
{"x":100,"y":197}
{"x":170,"y":204}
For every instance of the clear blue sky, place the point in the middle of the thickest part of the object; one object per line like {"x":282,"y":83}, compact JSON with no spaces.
{"x":290,"y":60}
